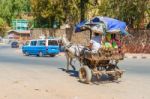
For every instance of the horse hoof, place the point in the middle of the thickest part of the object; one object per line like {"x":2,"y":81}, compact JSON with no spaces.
{"x":67,"y":71}
{"x":74,"y":69}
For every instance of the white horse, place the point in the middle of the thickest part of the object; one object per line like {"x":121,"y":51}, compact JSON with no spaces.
{"x":71,"y":51}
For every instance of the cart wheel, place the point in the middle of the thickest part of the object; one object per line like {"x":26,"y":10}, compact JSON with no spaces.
{"x":85,"y":74}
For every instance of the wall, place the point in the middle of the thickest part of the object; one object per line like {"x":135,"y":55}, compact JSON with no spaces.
{"x":37,"y":32}
{"x":140,"y":43}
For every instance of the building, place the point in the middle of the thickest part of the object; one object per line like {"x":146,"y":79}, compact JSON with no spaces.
{"x":20,"y":30}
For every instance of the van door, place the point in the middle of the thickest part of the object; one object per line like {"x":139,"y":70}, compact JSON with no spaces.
{"x":32,"y":48}
{"x":53,"y":47}
{"x":41,"y":46}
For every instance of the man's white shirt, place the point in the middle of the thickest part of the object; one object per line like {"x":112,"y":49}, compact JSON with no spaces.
{"x":96,"y":43}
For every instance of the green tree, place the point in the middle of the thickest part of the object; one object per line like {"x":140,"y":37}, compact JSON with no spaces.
{"x":2,"y":27}
{"x":12,"y":9}
{"x":71,"y":11}
{"x":46,"y":12}
{"x":131,"y":11}
{"x":63,"y":11}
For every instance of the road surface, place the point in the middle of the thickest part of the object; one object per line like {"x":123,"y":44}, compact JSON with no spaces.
{"x":31,"y":77}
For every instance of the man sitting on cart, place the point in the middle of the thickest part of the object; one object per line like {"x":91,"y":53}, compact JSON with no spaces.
{"x":95,"y":43}
{"x":93,"y":47}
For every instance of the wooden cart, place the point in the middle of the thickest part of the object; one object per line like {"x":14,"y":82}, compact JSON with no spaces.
{"x":104,"y":62}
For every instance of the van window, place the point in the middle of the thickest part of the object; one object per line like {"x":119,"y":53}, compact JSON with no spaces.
{"x":33,"y":43}
{"x":52,"y":42}
{"x":41,"y":43}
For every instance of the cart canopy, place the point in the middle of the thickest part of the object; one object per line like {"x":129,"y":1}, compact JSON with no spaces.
{"x":103,"y":25}
{"x":80,"y":25}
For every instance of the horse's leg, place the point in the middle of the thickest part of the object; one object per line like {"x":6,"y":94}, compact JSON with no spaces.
{"x":71,"y":59}
{"x":68,"y":63}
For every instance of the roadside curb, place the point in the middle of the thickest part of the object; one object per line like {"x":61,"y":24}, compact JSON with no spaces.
{"x":138,"y":56}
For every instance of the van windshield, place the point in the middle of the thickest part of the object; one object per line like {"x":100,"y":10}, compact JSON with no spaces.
{"x":27,"y":43}
{"x":52,"y":42}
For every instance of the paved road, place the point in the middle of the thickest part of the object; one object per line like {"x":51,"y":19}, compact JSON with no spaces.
{"x":14,"y":56}
{"x":30,"y":77}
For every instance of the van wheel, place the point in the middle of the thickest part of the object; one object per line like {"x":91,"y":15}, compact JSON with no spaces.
{"x":40,"y":54}
{"x":26,"y":54}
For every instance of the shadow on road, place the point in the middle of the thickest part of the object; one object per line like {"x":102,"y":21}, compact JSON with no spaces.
{"x":70,"y":72}
{"x":103,"y":80}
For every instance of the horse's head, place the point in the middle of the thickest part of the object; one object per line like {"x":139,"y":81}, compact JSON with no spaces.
{"x":70,"y":47}
{"x":65,"y":41}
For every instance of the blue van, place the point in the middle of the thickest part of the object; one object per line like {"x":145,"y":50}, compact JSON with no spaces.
{"x":41,"y":47}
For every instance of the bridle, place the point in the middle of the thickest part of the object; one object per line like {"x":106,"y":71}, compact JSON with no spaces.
{"x":69,"y":45}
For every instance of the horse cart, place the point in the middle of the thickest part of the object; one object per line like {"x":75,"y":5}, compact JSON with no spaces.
{"x":105,"y":60}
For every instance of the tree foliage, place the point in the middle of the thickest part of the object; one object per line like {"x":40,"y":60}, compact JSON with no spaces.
{"x":46,"y":12}
{"x":131,"y":11}
{"x":2,"y":27}
{"x":11,"y":9}
{"x":63,"y":11}
{"x":49,"y":12}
